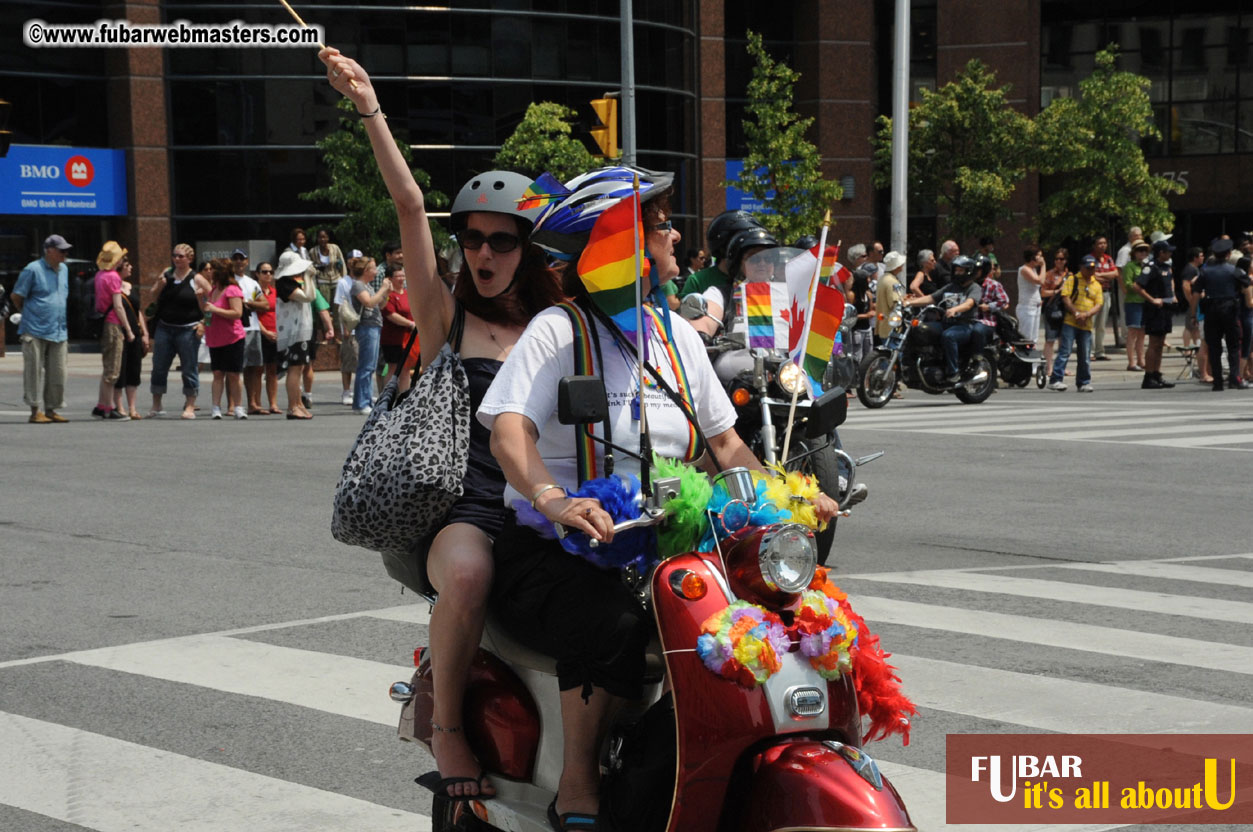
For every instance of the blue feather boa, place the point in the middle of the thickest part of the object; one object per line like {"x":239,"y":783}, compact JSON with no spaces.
{"x":763,"y":513}
{"x":620,"y":497}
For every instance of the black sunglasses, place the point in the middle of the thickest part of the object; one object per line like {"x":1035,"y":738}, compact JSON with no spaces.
{"x":265,"y":271}
{"x":501,"y":242}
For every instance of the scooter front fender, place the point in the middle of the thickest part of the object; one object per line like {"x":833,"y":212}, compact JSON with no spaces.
{"x":806,"y":784}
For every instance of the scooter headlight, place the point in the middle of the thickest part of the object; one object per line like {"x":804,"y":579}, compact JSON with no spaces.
{"x":788,"y":558}
{"x":791,"y":378}
{"x":894,"y":320}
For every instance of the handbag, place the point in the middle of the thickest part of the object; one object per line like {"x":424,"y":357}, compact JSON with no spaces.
{"x":349,"y":317}
{"x":408,"y":464}
{"x":1055,"y":311}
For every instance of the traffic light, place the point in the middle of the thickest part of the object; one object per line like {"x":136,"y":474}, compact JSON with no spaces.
{"x":607,"y":134}
{"x":5,"y":135}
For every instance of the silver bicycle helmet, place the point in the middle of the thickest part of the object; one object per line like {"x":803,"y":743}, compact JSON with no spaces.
{"x":497,"y":192}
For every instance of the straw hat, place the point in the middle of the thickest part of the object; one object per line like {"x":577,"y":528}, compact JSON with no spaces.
{"x":893,"y":260}
{"x":290,"y":263}
{"x":110,"y":256}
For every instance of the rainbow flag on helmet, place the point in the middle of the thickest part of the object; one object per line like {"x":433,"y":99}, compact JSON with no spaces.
{"x":607,"y":264}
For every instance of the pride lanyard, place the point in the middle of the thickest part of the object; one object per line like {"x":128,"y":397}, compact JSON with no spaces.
{"x":680,"y":376}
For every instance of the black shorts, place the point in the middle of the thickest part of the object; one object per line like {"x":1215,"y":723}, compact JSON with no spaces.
{"x":269,"y":351}
{"x":564,"y":607}
{"x":393,"y":354}
{"x":227,"y":359}
{"x":1157,"y":321}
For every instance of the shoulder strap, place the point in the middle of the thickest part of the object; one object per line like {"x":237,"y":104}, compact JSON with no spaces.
{"x":458,"y":326}
{"x":585,"y":341}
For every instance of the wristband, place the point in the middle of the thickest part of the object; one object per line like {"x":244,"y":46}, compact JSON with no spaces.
{"x":378,"y":111}
{"x":542,"y":489}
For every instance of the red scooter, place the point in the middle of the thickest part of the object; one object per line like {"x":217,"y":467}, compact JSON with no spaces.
{"x":701,"y":752}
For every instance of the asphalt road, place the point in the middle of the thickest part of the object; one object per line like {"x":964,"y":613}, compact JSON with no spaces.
{"x":178,"y":621}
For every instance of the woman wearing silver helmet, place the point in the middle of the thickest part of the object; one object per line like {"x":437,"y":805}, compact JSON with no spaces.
{"x":504,"y":282}
{"x":564,"y":606}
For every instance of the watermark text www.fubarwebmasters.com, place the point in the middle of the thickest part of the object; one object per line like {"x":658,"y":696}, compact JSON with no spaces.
{"x":123,"y":33}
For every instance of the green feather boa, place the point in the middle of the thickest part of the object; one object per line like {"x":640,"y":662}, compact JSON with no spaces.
{"x":687,"y":520}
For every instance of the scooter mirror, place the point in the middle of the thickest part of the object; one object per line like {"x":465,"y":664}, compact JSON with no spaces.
{"x":693,"y":307}
{"x":735,"y":515}
{"x":827,"y":414}
{"x":581,"y":400}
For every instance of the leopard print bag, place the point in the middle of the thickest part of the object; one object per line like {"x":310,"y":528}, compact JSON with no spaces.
{"x":408,"y":464}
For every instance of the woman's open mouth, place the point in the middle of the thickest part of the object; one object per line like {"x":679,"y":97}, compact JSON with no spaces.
{"x":485,"y":275}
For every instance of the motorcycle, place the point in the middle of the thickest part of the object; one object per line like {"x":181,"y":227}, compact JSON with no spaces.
{"x":701,"y":752}
{"x":1017,"y":359}
{"x":761,"y":383}
{"x":912,"y":353}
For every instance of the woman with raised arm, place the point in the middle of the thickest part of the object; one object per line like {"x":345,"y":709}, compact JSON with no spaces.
{"x":503,"y":283}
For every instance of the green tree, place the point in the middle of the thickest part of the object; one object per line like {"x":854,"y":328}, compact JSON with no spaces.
{"x":968,"y":150}
{"x":357,"y":187}
{"x":542,"y":143}
{"x":780,"y":158}
{"x":1091,"y":144}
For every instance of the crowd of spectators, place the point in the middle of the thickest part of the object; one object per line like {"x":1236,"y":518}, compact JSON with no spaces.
{"x":248,"y":327}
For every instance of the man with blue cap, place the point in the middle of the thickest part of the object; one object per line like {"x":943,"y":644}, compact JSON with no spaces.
{"x":40,"y":294}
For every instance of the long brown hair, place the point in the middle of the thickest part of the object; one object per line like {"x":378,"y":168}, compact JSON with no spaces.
{"x":535,"y":288}
{"x":222,"y":273}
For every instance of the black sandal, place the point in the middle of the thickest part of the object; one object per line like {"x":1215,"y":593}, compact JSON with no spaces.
{"x":571,"y":821}
{"x":439,"y":785}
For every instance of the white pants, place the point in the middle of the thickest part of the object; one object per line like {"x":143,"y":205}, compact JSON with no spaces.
{"x":1029,"y":321}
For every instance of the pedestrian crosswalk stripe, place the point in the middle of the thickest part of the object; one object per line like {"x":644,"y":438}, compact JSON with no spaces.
{"x":1242,"y":438}
{"x":1189,"y":606}
{"x":1171,"y":571}
{"x":1064,"y":706}
{"x":924,"y":792}
{"x":938,"y":416}
{"x":1089,"y":638}
{"x":340,"y":685}
{"x":1196,"y":423}
{"x":1103,"y":419}
{"x":112,"y":785}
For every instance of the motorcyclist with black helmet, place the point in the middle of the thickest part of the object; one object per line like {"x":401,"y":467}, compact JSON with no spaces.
{"x":719,"y":276}
{"x":961,"y":296}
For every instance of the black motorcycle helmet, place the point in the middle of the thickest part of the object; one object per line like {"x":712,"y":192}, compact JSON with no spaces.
{"x":724,"y":227}
{"x":806,"y":242}
{"x":967,"y":267}
{"x":983,"y":266}
{"x":750,"y":238}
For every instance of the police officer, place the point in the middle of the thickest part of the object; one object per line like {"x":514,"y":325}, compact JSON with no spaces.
{"x":1157,"y":286}
{"x":1221,"y":286}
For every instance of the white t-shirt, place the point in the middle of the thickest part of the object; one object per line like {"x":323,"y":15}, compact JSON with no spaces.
{"x":252,"y":292}
{"x":527,"y":384}
{"x":343,"y":290}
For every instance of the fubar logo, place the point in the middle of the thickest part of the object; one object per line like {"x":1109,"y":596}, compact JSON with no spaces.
{"x":1099,"y":778}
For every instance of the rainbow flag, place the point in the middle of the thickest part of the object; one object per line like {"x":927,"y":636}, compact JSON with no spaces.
{"x":607,"y":264}
{"x":759,"y":310}
{"x":541,"y":192}
{"x":830,"y":260}
{"x":827,"y":313}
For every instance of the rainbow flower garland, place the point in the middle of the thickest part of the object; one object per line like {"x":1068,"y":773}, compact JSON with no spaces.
{"x":744,"y":643}
{"x":826,"y":636}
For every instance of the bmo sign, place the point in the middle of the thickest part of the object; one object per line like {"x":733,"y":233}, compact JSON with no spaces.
{"x":65,"y":181}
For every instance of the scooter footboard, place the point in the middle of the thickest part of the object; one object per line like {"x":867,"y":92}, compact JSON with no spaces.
{"x":807,"y":784}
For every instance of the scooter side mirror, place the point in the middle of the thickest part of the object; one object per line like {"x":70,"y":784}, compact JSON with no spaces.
{"x":693,"y":307}
{"x":581,"y":400}
{"x":827,"y":413}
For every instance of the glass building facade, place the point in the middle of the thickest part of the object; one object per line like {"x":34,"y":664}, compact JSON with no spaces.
{"x":1197,"y":55}
{"x":455,"y":81}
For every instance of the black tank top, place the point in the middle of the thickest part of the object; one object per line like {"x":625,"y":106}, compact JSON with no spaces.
{"x":484,"y":479}
{"x":177,"y":304}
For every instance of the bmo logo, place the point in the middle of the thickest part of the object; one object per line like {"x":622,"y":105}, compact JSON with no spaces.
{"x":79,"y":171}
